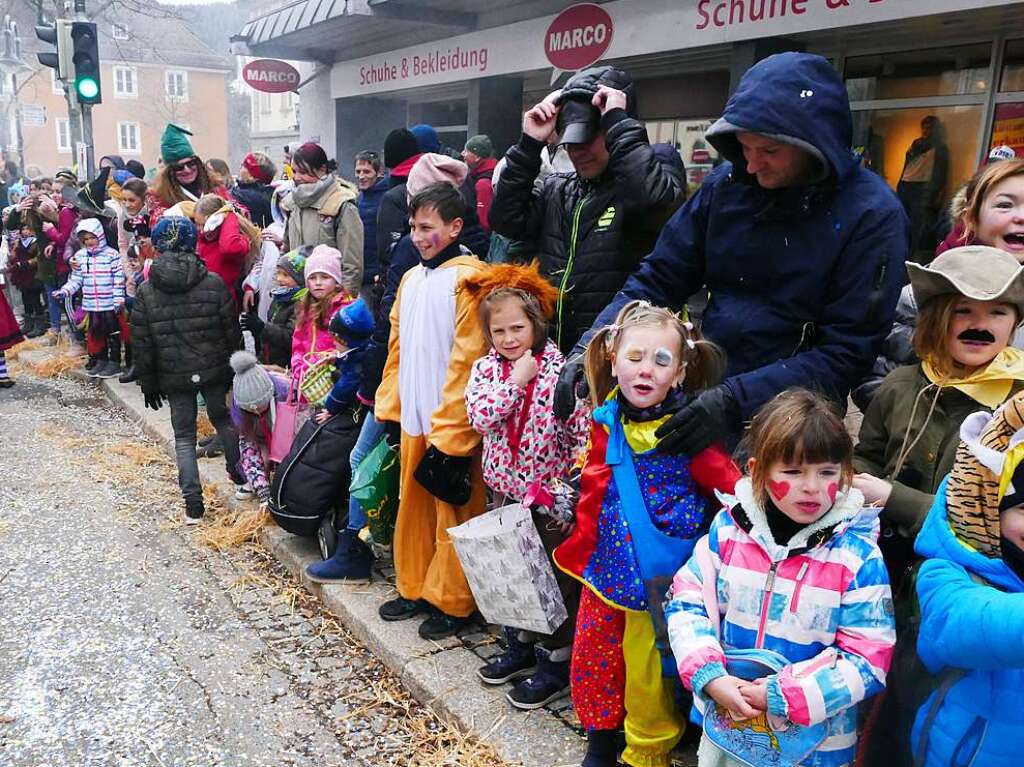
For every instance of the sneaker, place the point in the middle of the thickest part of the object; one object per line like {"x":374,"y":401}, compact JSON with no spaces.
{"x":400,"y":609}
{"x":548,"y":684}
{"x":441,"y":626}
{"x":6,"y":383}
{"x":517,"y":661}
{"x":108,"y":369}
{"x":128,"y":376}
{"x":351,"y":562}
{"x":194,"y":511}
{"x":244,"y":492}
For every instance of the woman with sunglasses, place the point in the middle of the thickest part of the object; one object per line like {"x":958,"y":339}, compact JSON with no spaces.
{"x":322,"y":210}
{"x":183,"y":176}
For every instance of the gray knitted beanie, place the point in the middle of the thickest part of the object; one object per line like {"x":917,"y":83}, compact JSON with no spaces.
{"x":253,"y":388}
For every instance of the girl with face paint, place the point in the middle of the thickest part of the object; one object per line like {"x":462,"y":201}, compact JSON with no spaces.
{"x":776,"y":553}
{"x":639,"y":514}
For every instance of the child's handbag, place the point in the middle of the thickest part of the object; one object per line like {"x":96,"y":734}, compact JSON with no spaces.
{"x":766,"y":740}
{"x":315,"y":383}
{"x":287,"y":420}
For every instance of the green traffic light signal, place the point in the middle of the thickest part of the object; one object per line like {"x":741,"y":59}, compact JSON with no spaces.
{"x":87,"y":88}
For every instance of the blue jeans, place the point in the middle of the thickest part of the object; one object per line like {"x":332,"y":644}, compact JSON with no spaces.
{"x":369,"y":436}
{"x":54,"y":306}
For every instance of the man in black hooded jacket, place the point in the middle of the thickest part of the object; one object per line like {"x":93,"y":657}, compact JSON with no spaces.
{"x":592,"y":227}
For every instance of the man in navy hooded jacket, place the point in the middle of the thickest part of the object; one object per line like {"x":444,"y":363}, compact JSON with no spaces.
{"x":801,"y":250}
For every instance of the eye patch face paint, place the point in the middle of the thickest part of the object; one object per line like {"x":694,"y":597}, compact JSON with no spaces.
{"x":663,"y":357}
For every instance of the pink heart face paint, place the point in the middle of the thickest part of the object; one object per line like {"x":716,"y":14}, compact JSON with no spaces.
{"x":779,"y":490}
{"x":803,"y":492}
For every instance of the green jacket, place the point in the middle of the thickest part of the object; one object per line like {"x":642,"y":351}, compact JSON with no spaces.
{"x":937,"y":438}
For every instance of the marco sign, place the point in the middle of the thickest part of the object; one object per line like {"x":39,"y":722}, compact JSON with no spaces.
{"x":578,"y":37}
{"x":271,"y":76}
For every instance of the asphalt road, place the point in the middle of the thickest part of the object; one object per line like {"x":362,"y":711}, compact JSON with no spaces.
{"x":123,"y":641}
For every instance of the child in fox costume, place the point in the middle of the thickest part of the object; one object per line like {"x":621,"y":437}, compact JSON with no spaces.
{"x":509,"y":400}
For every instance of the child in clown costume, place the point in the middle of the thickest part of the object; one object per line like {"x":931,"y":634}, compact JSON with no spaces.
{"x":639,"y":514}
{"x":435,"y":338}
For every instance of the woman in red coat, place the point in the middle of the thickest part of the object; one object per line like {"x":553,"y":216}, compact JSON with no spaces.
{"x":226,"y":241}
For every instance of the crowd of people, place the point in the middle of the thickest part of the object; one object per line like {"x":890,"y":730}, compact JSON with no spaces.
{"x":659,"y":375}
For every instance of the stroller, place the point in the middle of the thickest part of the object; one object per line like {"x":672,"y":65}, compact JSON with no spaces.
{"x":309,"y":492}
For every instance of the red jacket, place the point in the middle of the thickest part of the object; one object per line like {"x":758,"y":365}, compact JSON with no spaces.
{"x":482,"y":183}
{"x":224,"y":251}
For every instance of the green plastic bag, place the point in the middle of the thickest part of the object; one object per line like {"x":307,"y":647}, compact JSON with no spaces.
{"x":375,"y":488}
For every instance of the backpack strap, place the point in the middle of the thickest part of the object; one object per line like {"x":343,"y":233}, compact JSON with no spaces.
{"x":949,"y":678}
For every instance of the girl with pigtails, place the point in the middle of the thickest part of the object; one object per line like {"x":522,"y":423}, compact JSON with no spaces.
{"x":639,"y":515}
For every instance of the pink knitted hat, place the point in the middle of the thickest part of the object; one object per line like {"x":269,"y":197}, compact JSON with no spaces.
{"x":433,"y":169}
{"x":324,"y":260}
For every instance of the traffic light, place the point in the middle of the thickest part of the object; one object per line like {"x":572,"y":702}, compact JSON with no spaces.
{"x":86,"y":62}
{"x":58,"y":35}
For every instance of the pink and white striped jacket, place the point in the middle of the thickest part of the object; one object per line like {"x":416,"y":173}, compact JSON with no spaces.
{"x":823,"y":602}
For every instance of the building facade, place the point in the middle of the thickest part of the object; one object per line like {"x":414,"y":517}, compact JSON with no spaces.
{"x":153,"y":72}
{"x":469,"y":67}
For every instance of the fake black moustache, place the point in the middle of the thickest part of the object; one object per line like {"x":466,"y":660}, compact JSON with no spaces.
{"x":982,"y":336}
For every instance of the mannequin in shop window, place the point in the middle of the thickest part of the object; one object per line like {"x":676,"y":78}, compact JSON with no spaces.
{"x":923,"y":184}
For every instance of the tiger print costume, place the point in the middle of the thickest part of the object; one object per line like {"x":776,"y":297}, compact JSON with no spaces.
{"x":980,"y":477}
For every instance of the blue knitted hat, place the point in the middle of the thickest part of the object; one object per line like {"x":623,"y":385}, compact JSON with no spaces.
{"x":175,"y":234}
{"x":353,"y":323}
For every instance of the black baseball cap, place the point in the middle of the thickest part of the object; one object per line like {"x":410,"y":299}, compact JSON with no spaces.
{"x":578,"y":122}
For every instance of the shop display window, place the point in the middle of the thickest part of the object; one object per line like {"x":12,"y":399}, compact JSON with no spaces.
{"x":913,"y":74}
{"x":1012,"y":77}
{"x":1008,"y":127}
{"x":924,"y":160}
{"x":688,"y":137}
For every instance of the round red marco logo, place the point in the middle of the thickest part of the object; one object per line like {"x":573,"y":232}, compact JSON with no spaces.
{"x":271,"y":76}
{"x":578,"y":37}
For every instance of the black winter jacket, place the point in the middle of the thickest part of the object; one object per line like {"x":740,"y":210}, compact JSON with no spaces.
{"x":276,"y":336}
{"x":256,"y":197}
{"x":184,"y":327}
{"x":590,"y":235}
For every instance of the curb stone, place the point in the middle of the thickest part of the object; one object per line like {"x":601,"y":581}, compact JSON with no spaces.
{"x":441,"y":675}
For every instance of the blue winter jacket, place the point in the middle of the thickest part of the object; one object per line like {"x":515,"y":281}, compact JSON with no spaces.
{"x":969,"y":625}
{"x":803,"y":281}
{"x":368,"y":202}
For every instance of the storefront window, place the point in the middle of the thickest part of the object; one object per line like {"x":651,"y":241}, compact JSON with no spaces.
{"x":688,"y":137}
{"x":1012,"y":78}
{"x":1008,"y":127}
{"x":924,"y":160}
{"x":913,"y":74}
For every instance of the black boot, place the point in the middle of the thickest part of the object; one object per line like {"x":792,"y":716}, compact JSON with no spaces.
{"x":194,"y":510}
{"x":602,"y":748}
{"x":128,"y":376}
{"x":112,"y":367}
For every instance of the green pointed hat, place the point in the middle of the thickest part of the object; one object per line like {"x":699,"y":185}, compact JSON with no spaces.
{"x":174,"y":145}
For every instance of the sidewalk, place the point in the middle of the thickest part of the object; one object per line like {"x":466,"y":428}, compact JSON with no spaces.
{"x":441,"y":675}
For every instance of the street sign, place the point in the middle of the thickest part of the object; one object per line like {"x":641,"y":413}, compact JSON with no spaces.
{"x":271,"y":76}
{"x":33,"y":116}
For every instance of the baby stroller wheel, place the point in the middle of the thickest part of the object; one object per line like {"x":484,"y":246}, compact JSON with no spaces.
{"x":327,"y":536}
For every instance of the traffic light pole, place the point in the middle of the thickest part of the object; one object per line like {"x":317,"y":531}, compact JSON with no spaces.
{"x":90,"y":151}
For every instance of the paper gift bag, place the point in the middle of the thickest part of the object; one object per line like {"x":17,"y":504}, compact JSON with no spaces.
{"x":508,"y":570}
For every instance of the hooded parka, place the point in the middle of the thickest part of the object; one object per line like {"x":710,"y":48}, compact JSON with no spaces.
{"x":325,"y":213}
{"x":803,"y":280}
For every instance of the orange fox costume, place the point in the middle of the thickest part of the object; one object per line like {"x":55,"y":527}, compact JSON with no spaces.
{"x":435,"y":339}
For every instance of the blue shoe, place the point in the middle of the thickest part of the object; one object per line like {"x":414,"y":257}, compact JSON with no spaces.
{"x":351,"y":562}
{"x":548,"y":684}
{"x":517,"y":661}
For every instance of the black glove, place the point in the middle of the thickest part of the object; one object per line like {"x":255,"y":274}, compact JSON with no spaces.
{"x":446,"y":477}
{"x":154,"y":400}
{"x":393,"y":434}
{"x":708,"y":418}
{"x":251,"y":321}
{"x":571,"y":385}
